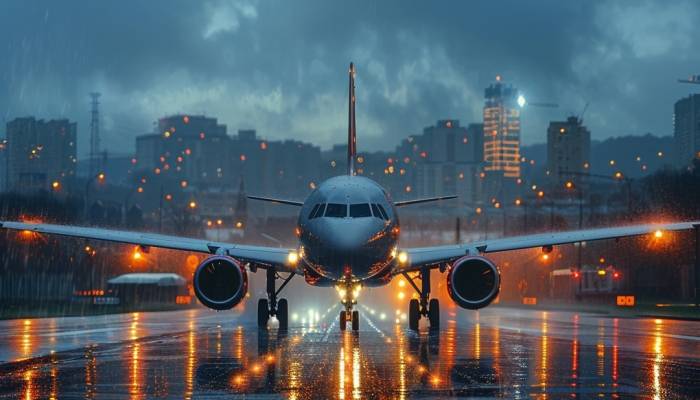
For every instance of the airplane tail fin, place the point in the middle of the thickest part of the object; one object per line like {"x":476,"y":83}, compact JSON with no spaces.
{"x":352,"y":132}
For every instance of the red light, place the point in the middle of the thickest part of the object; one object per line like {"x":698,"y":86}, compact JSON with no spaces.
{"x":576,"y":275}
{"x":616,"y":275}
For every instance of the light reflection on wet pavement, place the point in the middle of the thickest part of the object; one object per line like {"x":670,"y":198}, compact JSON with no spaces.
{"x":497,"y":352}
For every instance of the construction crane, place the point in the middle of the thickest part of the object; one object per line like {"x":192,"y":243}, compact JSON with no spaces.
{"x":692,"y":79}
{"x":522,"y":103}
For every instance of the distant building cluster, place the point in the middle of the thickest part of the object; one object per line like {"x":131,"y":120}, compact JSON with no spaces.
{"x":198,"y":156}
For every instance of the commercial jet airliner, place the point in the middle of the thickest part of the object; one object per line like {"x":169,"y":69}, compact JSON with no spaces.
{"x":348,"y":237}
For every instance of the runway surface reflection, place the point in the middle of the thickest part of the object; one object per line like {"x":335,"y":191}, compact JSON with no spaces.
{"x":497,"y":352}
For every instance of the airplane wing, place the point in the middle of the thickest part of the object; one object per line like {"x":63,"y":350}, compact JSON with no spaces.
{"x":416,"y":258}
{"x":258,"y":256}
{"x":424,"y":200}
{"x":278,"y":201}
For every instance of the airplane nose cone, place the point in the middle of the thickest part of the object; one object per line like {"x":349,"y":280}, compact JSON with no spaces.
{"x":350,"y":235}
{"x":348,"y":240}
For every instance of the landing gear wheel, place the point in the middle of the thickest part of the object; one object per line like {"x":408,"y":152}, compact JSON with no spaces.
{"x":282,"y":315}
{"x":355,"y":321}
{"x":413,"y":314}
{"x":343,"y":320}
{"x":434,"y":314}
{"x":263,"y":313}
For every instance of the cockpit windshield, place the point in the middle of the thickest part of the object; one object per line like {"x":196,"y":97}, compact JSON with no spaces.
{"x":360,"y":210}
{"x":335,"y":210}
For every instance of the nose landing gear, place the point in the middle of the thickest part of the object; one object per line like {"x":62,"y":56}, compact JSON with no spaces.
{"x":348,"y":298}
{"x":271,"y":306}
{"x":425,"y":307}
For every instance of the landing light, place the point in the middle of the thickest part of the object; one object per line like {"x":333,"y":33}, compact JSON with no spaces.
{"x":403,"y":257}
{"x":292,"y":258}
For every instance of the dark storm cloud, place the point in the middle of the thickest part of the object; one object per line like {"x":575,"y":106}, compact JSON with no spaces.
{"x":280,"y":67}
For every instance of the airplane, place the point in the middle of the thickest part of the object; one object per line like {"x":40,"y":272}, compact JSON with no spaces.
{"x":348,"y":237}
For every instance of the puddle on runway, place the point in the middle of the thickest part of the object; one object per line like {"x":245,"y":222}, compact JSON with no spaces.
{"x":476,"y":359}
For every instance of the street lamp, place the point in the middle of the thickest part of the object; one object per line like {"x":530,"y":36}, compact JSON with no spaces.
{"x":101,"y":178}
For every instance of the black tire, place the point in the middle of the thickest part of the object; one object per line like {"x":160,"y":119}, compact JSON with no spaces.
{"x":343,"y":320}
{"x":355,"y":321}
{"x":434,"y":314}
{"x":263,"y":313}
{"x":413,"y":314}
{"x":282,"y":314}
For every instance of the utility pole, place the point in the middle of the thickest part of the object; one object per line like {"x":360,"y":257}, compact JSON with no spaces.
{"x":94,"y":132}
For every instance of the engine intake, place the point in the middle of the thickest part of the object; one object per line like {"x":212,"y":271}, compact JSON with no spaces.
{"x":473,"y":282}
{"x":220,"y":282}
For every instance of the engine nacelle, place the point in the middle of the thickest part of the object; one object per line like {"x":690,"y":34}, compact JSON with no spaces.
{"x":220,"y":282}
{"x":473,"y":282}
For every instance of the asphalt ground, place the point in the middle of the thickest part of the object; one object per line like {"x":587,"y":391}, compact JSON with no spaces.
{"x":496,"y":352}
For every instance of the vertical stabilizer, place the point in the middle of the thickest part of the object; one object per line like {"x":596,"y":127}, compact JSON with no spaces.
{"x":352,"y":132}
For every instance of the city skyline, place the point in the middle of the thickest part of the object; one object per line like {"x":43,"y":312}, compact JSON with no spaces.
{"x":420,"y":65}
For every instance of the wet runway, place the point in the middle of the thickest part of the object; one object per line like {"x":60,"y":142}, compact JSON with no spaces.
{"x":497,"y":352}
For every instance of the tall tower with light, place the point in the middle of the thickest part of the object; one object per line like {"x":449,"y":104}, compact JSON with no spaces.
{"x":502,"y":130}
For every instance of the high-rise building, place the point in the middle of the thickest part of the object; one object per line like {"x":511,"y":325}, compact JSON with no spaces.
{"x":448,"y":160}
{"x":41,"y":154}
{"x":194,"y":149}
{"x":568,"y":150}
{"x":3,"y":163}
{"x":686,"y":129}
{"x":501,"y":131}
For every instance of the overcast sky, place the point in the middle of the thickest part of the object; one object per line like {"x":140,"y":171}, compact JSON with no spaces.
{"x":281,"y":66}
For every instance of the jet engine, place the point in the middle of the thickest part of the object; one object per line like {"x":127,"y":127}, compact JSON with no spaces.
{"x":220,"y":282}
{"x":473,"y":282}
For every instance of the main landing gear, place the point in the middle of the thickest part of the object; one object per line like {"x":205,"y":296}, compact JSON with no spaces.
{"x":425,"y":306}
{"x":348,"y":298}
{"x":271,"y":306}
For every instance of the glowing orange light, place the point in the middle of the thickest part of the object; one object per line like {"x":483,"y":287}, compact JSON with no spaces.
{"x":601,"y":260}
{"x":518,"y":202}
{"x":101,"y":176}
{"x":137,"y":254}
{"x":540,"y":193}
{"x":186,"y":119}
{"x":209,"y":223}
{"x":239,"y":224}
{"x":569,"y":184}
{"x":219,"y":222}
{"x":183,"y":184}
{"x":168,"y":197}
{"x":140,"y":189}
{"x":56,"y":185}
{"x":618,"y":174}
{"x":243,"y":158}
{"x":658,"y":234}
{"x":545,"y":257}
{"x":193,"y":204}
{"x":478,"y":210}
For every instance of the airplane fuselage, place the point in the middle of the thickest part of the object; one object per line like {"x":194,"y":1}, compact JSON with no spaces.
{"x":348,"y":231}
